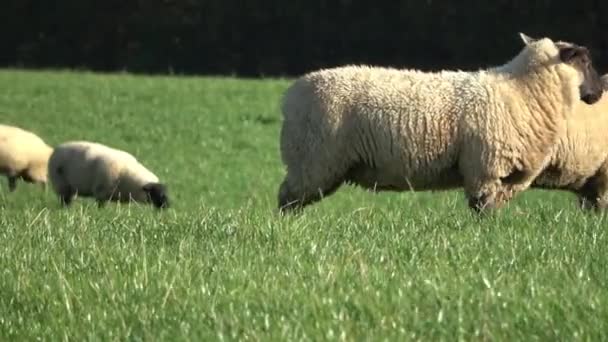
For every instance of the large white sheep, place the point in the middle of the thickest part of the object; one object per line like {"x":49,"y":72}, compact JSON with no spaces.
{"x":387,"y":129}
{"x":23,"y":155}
{"x":579,"y":162}
{"x":94,"y":170}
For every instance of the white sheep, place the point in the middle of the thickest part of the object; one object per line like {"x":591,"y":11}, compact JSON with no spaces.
{"x":91,"y":169}
{"x":387,"y":129}
{"x":23,"y":155}
{"x":579,"y":162}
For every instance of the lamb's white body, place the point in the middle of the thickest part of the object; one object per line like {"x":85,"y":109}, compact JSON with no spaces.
{"x":23,"y":155}
{"x":386,"y":129}
{"x":579,"y":162}
{"x":94,"y":170}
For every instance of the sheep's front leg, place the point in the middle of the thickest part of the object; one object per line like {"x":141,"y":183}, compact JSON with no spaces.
{"x":492,"y":178}
{"x":12,"y":183}
{"x":487,"y":191}
{"x":482,"y":193}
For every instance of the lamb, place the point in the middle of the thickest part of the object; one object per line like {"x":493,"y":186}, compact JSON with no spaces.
{"x":91,"y":169}
{"x":490,"y":131}
{"x":23,"y":155}
{"x":579,"y":162}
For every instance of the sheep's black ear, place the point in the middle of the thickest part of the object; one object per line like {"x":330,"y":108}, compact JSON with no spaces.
{"x":568,"y":54}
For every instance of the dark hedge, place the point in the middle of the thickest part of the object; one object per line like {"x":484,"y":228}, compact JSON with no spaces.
{"x":253,"y":38}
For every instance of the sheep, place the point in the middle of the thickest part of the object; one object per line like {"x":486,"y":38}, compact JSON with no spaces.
{"x":95,"y":170}
{"x":23,"y":155}
{"x":579,"y":162}
{"x":384,"y":129}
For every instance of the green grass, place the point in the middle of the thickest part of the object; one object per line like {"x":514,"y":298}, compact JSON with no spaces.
{"x":221,"y":265}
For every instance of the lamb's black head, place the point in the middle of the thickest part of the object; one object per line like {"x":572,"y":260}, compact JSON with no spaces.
{"x":580,"y":58}
{"x":157,"y":193}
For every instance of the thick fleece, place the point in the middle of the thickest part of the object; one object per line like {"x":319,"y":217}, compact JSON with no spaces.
{"x":94,"y":170}
{"x":23,"y":155}
{"x":579,"y":162}
{"x":387,"y":129}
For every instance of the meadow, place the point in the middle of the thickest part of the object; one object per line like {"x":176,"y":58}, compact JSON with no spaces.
{"x":222,"y":265}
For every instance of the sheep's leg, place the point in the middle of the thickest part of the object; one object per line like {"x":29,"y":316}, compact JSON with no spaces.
{"x":489,"y":193}
{"x":594,"y":193}
{"x":102,"y":198}
{"x":105,"y":191}
{"x":12,"y":183}
{"x":488,"y":188}
{"x":288,"y":201}
{"x":481,"y":190}
{"x":291,"y":199}
{"x":101,"y":203}
{"x":65,"y":198}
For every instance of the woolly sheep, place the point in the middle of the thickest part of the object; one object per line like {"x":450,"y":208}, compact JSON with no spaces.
{"x":384,"y":129}
{"x":91,"y":169}
{"x":579,"y":162}
{"x":23,"y":155}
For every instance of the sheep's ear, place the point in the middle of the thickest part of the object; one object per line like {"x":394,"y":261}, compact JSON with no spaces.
{"x":526,"y":39}
{"x":569,"y":53}
{"x":154,"y":187}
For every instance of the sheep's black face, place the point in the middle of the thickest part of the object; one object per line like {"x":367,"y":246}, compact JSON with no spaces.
{"x":157,"y":193}
{"x":579,"y":57}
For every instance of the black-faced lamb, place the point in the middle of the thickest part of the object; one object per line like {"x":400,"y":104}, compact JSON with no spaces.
{"x":91,"y":169}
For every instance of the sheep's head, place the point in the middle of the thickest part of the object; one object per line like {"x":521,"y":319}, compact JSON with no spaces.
{"x":576,"y":57}
{"x":157,"y":194}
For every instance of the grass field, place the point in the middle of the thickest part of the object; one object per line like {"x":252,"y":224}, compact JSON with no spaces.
{"x":221,"y":265}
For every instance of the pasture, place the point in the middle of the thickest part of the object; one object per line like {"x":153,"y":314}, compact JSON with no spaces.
{"x":222,"y":265}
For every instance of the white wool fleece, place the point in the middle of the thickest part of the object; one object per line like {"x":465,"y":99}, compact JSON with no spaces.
{"x":389,"y":129}
{"x":23,"y":154}
{"x":579,"y":162}
{"x":95,"y":170}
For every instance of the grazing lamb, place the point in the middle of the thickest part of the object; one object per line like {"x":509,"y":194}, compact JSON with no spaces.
{"x":490,"y":131}
{"x":94,"y":170}
{"x":23,"y":155}
{"x":580,"y":159}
